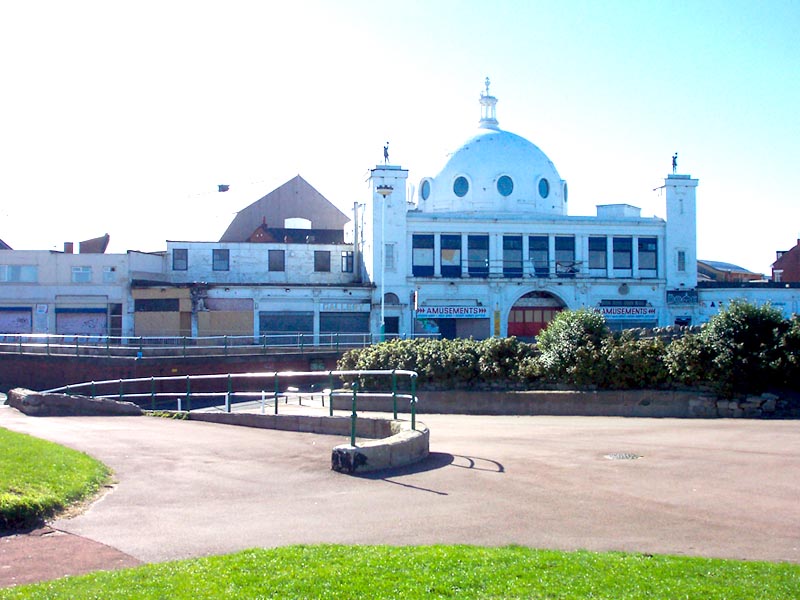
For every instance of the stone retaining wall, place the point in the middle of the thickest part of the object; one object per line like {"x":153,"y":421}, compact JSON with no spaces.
{"x":605,"y":403}
{"x":392,"y":444}
{"x":37,"y":404}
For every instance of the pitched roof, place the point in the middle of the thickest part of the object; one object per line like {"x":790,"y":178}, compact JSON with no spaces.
{"x":95,"y":245}
{"x":294,"y":199}
{"x":4,"y":246}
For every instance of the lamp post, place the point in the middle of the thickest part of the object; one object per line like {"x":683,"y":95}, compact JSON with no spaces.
{"x":385,"y":191}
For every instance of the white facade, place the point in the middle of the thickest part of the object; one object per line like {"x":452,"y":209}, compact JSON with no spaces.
{"x":487,"y":247}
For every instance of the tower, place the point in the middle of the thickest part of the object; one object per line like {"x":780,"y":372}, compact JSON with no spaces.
{"x":681,"y":232}
{"x":384,"y":235}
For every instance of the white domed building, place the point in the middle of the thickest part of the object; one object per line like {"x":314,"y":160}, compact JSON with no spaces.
{"x":487,"y":247}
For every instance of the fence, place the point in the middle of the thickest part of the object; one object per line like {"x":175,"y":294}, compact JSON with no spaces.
{"x":269,"y":387}
{"x":185,"y":346}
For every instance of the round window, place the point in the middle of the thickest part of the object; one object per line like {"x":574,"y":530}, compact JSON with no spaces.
{"x":544,"y":188}
{"x":425,"y":189}
{"x":565,"y":191}
{"x":505,"y":185}
{"x":461,"y":186}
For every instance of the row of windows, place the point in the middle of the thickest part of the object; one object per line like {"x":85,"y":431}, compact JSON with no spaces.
{"x":276,"y":260}
{"x":505,"y":187}
{"x":562,"y":263}
{"x":30,"y":274}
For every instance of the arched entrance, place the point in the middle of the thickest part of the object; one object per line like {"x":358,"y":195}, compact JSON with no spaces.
{"x":531,"y":313}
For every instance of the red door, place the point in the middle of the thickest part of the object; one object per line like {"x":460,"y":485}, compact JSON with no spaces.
{"x":528,"y":321}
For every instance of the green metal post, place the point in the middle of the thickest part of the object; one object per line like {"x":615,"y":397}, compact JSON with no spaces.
{"x":77,"y":347}
{"x":337,"y":341}
{"x":264,"y":343}
{"x":152,"y":393}
{"x":225,"y":340}
{"x":394,"y":393}
{"x":188,"y":393}
{"x":92,"y":389}
{"x":20,"y":344}
{"x":184,"y":346}
{"x":277,"y":391}
{"x":108,"y":346}
{"x":354,"y":416}
{"x":120,"y":390}
{"x":140,"y":347}
{"x":413,"y":402}
{"x":48,"y":345}
{"x":330,"y":392}
{"x":230,"y":391}
{"x":302,"y":340}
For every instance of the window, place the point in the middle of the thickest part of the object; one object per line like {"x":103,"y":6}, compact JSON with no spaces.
{"x":156,"y":305}
{"x":180,"y":259}
{"x":425,"y":189}
{"x":347,"y":261}
{"x":623,"y":258}
{"x":221,"y":259}
{"x":598,"y":259}
{"x":322,"y":261}
{"x":460,"y":187}
{"x":451,"y":255}
{"x":681,"y":261}
{"x":539,"y":255}
{"x":478,"y":255}
{"x":19,"y":274}
{"x":81,"y":274}
{"x":648,"y":254}
{"x":505,"y":185}
{"x":389,"y":256}
{"x":277,"y":260}
{"x":109,"y":274}
{"x":565,"y":256}
{"x":422,"y":255}
{"x":544,"y":188}
{"x":512,"y":256}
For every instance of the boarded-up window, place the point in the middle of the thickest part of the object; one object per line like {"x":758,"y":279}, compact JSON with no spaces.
{"x":346,"y":322}
{"x":81,"y":321}
{"x":285,"y":322}
{"x":15,"y":319}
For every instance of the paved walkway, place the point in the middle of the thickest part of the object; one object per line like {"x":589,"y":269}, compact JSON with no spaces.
{"x":723,"y":488}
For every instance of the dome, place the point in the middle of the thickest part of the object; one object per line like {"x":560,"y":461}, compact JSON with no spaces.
{"x":495,"y":171}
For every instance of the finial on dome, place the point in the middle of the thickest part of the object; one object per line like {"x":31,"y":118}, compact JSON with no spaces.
{"x":488,"y":110}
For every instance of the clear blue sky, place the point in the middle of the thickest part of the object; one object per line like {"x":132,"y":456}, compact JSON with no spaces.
{"x":123,"y":118}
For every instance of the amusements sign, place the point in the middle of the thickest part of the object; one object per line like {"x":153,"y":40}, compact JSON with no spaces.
{"x":452,"y":312}
{"x":618,"y":313}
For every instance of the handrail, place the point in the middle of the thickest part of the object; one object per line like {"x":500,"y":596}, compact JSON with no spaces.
{"x":144,"y":347}
{"x":146,"y":387}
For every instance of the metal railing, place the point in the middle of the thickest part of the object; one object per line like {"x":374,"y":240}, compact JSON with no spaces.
{"x":223,"y":391}
{"x":184,"y":346}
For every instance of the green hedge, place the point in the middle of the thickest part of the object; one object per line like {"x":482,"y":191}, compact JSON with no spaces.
{"x":743,"y":349}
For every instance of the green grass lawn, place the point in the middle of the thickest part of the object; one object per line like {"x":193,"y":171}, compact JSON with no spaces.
{"x":431,"y":572}
{"x":40,"y":478}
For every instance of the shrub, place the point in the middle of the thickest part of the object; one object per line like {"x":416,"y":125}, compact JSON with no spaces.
{"x":633,"y":364}
{"x":789,"y":365}
{"x":688,"y":360}
{"x":570,"y":347}
{"x":738,"y":351}
{"x":456,"y":363}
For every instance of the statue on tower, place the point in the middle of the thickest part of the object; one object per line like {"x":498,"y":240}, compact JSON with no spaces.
{"x":675,"y":163}
{"x":386,"y":153}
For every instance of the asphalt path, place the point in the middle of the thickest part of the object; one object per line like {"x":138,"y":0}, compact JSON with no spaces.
{"x":721,"y":488}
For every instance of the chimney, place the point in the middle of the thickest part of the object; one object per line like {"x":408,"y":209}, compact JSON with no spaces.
{"x":68,"y":248}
